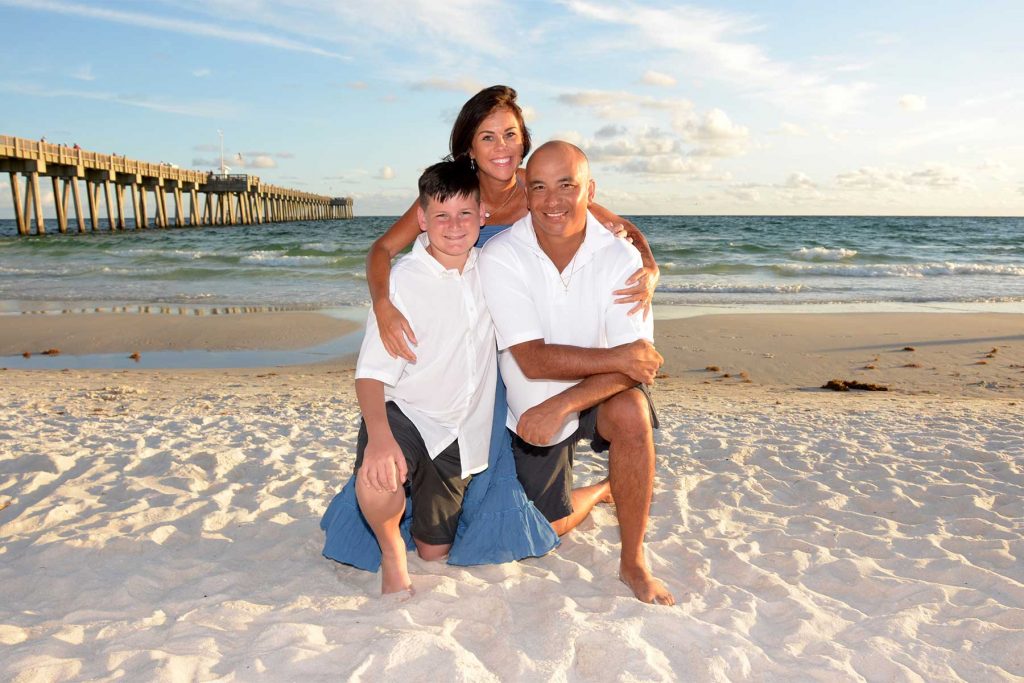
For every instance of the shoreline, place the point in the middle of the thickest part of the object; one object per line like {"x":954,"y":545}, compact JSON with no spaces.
{"x":954,"y":353}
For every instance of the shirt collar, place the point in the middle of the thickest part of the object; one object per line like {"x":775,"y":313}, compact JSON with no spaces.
{"x":420,"y":253}
{"x":596,"y":237}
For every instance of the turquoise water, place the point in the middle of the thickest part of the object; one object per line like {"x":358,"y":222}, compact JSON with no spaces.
{"x":708,"y":261}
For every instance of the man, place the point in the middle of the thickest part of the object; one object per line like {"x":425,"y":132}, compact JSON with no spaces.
{"x":575,"y":363}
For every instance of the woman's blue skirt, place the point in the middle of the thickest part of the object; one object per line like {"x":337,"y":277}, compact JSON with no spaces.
{"x":498,"y":523}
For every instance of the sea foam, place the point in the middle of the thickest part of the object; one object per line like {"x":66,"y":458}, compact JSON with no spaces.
{"x":822,"y":254}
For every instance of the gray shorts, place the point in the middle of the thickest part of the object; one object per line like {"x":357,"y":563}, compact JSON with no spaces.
{"x":546,"y":471}
{"x":435,"y":486}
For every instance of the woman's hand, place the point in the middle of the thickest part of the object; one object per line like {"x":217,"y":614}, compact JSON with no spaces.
{"x":619,"y":230}
{"x":639,"y":290}
{"x":395,"y":331}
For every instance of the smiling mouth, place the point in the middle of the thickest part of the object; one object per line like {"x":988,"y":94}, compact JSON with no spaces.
{"x":502,"y":161}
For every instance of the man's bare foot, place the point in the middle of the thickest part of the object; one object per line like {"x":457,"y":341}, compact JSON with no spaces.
{"x":645,"y":587}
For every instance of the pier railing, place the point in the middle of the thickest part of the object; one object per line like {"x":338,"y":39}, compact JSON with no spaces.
{"x":226,"y":199}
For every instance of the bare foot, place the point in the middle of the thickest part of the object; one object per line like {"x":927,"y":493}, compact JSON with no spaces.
{"x":394,"y":576}
{"x":398,"y":597}
{"x":645,"y":587}
{"x":607,"y":498}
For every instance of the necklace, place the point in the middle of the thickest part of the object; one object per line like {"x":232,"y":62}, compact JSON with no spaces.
{"x":572,"y":271}
{"x":512,"y":193}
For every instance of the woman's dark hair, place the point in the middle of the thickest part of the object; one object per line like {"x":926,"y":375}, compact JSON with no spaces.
{"x":478,"y":108}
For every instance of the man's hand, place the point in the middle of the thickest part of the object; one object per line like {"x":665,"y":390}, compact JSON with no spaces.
{"x":384,"y":467}
{"x":640,"y":361}
{"x":539,"y":424}
{"x":395,"y":331}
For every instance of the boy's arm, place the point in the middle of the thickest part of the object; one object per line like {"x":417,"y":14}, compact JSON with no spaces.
{"x":539,"y":424}
{"x":384,"y":467}
{"x":639,"y":360}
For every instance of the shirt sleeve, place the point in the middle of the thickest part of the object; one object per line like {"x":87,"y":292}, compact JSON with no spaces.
{"x":621,"y":328}
{"x":508,"y":296}
{"x":374,"y":361}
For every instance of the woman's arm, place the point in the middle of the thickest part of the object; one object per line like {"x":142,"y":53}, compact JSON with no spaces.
{"x":395,"y":330}
{"x":644,"y":281}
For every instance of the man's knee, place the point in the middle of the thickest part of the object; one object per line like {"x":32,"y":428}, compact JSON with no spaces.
{"x":430,"y":552}
{"x":627,"y":414}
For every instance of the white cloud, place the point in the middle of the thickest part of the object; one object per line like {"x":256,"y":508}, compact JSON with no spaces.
{"x":463,"y":85}
{"x":83,"y":73}
{"x":930,"y":177}
{"x":358,"y":85}
{"x":159,"y":23}
{"x":745,"y":194}
{"x":208,"y":109}
{"x":386,"y":173}
{"x":646,"y":143}
{"x":793,"y":129}
{"x":657,"y":78}
{"x":799,"y":181}
{"x":913,"y":103}
{"x":713,"y":39}
{"x":668,"y":164}
{"x":261,"y":161}
{"x":621,"y":105}
{"x":715,"y":134}
{"x":202,"y":72}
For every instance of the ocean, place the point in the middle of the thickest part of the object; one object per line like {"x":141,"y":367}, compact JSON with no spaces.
{"x":708,"y":262}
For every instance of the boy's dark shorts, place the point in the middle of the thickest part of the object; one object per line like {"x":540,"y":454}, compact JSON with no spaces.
{"x":435,"y":486}
{"x":546,"y":471}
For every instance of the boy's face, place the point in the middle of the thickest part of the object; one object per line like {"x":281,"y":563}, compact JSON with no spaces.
{"x":452,"y":226}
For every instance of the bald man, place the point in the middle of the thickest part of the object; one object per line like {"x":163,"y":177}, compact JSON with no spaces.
{"x":576,"y":364}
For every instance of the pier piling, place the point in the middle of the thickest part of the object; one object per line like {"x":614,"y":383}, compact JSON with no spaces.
{"x":229,"y":199}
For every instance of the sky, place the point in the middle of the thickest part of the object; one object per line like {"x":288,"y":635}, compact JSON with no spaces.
{"x":731,"y":107}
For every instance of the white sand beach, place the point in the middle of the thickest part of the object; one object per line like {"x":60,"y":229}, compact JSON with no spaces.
{"x":163,"y":525}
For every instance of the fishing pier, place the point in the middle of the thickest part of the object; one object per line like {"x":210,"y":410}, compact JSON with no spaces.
{"x":199,"y":198}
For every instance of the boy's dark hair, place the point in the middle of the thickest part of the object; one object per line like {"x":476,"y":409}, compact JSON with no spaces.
{"x":447,"y":179}
{"x":478,"y":108}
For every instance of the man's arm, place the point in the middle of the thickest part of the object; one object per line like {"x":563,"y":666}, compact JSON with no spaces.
{"x":638,"y":360}
{"x":539,"y":424}
{"x":384,"y":467}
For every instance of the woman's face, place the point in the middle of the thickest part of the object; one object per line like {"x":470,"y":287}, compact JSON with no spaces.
{"x":498,"y":145}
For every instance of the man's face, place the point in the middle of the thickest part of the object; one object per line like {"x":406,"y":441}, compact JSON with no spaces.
{"x":452,"y":226}
{"x":559,"y":188}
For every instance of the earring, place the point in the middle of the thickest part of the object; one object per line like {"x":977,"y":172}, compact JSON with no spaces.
{"x":472,"y":164}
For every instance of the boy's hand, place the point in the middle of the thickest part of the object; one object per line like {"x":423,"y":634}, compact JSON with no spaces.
{"x":384,"y":467}
{"x":539,"y":424}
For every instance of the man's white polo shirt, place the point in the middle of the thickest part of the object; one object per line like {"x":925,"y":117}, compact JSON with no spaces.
{"x":529,"y":299}
{"x":448,"y":393}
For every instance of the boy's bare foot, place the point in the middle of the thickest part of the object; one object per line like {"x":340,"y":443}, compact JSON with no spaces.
{"x":394,"y":576}
{"x":645,"y":587}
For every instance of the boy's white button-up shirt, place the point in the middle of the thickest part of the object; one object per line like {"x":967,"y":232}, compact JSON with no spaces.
{"x":529,"y":299}
{"x":448,"y":393}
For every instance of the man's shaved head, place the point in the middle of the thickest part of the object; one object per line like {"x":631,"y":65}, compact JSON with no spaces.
{"x":563,"y":148}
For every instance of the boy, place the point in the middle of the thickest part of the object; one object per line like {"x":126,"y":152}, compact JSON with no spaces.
{"x":427,"y":424}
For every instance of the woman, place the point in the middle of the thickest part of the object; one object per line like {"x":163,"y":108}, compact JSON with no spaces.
{"x":498,"y":523}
